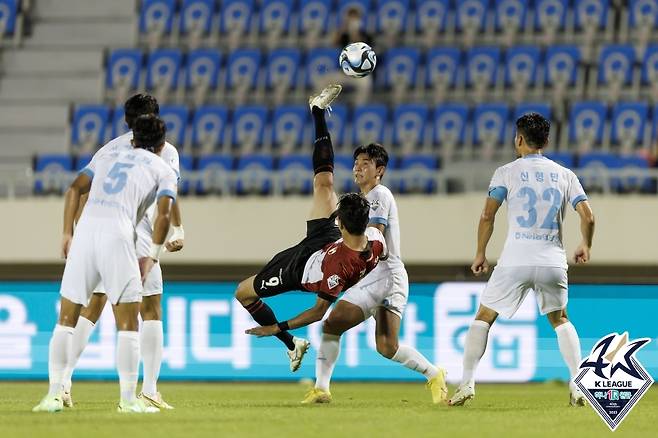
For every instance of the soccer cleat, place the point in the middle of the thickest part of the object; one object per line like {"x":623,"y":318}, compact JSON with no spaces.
{"x":50,"y":403}
{"x":326,"y":96}
{"x":463,"y":394}
{"x":437,"y":386}
{"x":316,"y":395}
{"x":136,"y":406}
{"x":296,"y":355}
{"x":67,"y":399}
{"x":576,"y":398}
{"x":154,"y":400}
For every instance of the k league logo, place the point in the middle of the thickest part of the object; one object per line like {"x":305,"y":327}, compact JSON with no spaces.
{"x":612,"y":379}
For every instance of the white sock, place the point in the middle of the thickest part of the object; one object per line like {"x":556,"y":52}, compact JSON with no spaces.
{"x":152,"y":338}
{"x":326,"y":360}
{"x":412,"y":359}
{"x":128,"y":363}
{"x":81,"y":335}
{"x":567,"y":340}
{"x":474,"y":347}
{"x":58,"y":353}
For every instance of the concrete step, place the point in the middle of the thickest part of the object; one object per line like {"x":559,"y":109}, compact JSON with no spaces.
{"x":115,"y":33}
{"x":81,"y":89}
{"x":33,"y":116}
{"x":75,"y":9}
{"x":22,"y":144}
{"x":30,"y":62}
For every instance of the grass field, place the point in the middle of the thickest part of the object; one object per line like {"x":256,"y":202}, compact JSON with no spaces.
{"x":359,"y":410}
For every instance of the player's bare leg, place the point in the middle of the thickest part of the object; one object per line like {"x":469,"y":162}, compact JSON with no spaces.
{"x":569,"y":344}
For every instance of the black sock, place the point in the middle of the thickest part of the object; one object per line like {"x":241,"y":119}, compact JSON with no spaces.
{"x":323,"y":151}
{"x":263,"y":315}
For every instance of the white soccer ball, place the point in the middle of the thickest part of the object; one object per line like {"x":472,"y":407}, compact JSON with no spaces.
{"x":357,"y":60}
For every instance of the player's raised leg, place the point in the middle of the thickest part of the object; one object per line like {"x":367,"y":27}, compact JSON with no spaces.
{"x":569,"y":344}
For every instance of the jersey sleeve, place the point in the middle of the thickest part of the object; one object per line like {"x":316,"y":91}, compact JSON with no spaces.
{"x":498,"y":185}
{"x":90,"y":168}
{"x":168,"y":184}
{"x":331,"y":286}
{"x":380,"y":207}
{"x":375,"y":235}
{"x":576,"y":192}
{"x":171,"y":157}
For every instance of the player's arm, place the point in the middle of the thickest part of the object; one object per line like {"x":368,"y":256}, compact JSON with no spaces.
{"x":177,"y":239}
{"x":380,"y":227}
{"x":83,"y":202}
{"x":584,"y":210}
{"x":160,"y":230}
{"x":78,"y":187}
{"x":307,"y":317}
{"x":485,"y":230}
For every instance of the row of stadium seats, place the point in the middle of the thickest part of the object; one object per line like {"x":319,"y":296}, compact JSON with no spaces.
{"x":413,"y":127}
{"x":262,"y":174}
{"x":11,"y":19}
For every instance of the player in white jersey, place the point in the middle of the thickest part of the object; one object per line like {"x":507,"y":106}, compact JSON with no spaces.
{"x":151,"y":333}
{"x":538,"y":191}
{"x":382,"y":294}
{"x":121,"y":185}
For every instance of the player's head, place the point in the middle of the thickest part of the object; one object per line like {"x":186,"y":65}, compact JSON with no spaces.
{"x":139,"y":105}
{"x":353,"y":213}
{"x":149,"y":133}
{"x":370,"y":163}
{"x":532,"y":131}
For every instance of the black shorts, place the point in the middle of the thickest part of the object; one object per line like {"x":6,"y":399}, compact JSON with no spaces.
{"x":284,"y":272}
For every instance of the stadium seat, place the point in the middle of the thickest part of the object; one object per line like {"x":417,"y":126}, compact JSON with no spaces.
{"x":282,"y":72}
{"x":53,"y":173}
{"x":409,"y":127}
{"x":490,"y":124}
{"x":214,"y":174}
{"x":550,"y":18}
{"x":254,"y":174}
{"x":471,"y":17}
{"x":392,"y":17}
{"x":365,"y":7}
{"x":196,"y":19}
{"x":81,"y":161}
{"x":521,"y":66}
{"x":629,"y":128}
{"x":186,"y":164}
{"x":441,"y":71}
{"x":511,"y":17}
{"x":156,"y":19}
{"x":162,"y":72}
{"x":587,"y":124}
{"x":482,"y":64}
{"x":249,"y":128}
{"x":369,"y":123}
{"x":401,"y":70}
{"x":343,"y":174}
{"x":643,"y":20}
{"x":275,"y":20}
{"x":431,"y":19}
{"x":289,"y":124}
{"x":449,"y":125}
{"x":123,"y":71}
{"x":337,"y":125}
{"x":176,"y":118}
{"x":615,"y":69}
{"x":236,"y":16}
{"x":593,"y":169}
{"x":649,"y":74}
{"x":242,"y":71}
{"x":201,"y":72}
{"x":89,"y":127}
{"x":418,"y":174}
{"x":208,"y":127}
{"x":591,"y":14}
{"x":119,"y":125}
{"x":319,"y":63}
{"x":529,"y":107}
{"x":313,"y":20}
{"x":561,"y":69}
{"x":8,"y":14}
{"x":565,"y":159}
{"x":295,"y":174}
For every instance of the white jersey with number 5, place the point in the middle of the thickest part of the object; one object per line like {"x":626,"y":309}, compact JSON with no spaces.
{"x":537,"y":191}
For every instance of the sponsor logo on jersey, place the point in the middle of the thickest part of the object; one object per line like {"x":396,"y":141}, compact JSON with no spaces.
{"x":612,"y":378}
{"x":374,"y":205}
{"x":333,"y":281}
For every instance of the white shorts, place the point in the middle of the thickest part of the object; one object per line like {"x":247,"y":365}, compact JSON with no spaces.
{"x":383,"y":287}
{"x":96,"y":257}
{"x":509,"y":285}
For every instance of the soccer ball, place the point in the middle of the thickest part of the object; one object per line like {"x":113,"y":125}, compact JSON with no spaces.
{"x":357,"y":60}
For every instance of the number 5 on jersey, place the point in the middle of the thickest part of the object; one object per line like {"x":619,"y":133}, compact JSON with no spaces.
{"x":116,"y":179}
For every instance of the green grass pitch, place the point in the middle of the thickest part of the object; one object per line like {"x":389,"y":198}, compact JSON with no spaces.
{"x":270,"y":410}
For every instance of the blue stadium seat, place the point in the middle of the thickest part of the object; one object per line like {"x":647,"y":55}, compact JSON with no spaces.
{"x":196,"y":16}
{"x":275,"y":16}
{"x":530,"y":107}
{"x":409,"y":126}
{"x":214,"y":174}
{"x":586,"y":123}
{"x":471,"y":15}
{"x":186,"y":164}
{"x":565,"y":159}
{"x":236,"y":16}
{"x":401,"y":65}
{"x":8,"y":13}
{"x":123,"y":69}
{"x":431,"y":15}
{"x":643,"y":13}
{"x":81,"y":161}
{"x":52,"y":173}
{"x":249,"y":127}
{"x":163,"y":69}
{"x":343,"y":174}
{"x":89,"y":125}
{"x":511,"y":14}
{"x":490,"y":121}
{"x":392,"y":16}
{"x":254,"y":174}
{"x":591,"y":13}
{"x":208,"y":127}
{"x":368,"y":123}
{"x":314,"y":16}
{"x":562,"y":65}
{"x":289,"y":124}
{"x":296,"y":174}
{"x":320,"y":62}
{"x":628,"y":123}
{"x":202,"y":68}
{"x":418,"y":173}
{"x":521,"y":65}
{"x":156,"y":16}
{"x":596,"y":161}
{"x":615,"y":65}
{"x":337,"y":125}
{"x":283,"y":68}
{"x":650,"y":65}
{"x":550,"y":15}
{"x":119,"y":125}
{"x":442,"y":67}
{"x":365,"y":6}
{"x":176,"y":118}
{"x":482,"y":66}
{"x":449,"y":124}
{"x":242,"y":68}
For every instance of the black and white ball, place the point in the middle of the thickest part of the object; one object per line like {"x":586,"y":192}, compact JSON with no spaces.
{"x":357,"y":60}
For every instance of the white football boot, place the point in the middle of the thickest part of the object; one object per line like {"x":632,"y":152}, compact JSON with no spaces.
{"x":136,"y":406}
{"x":155,"y":400}
{"x":464,"y":394}
{"x":50,"y":403}
{"x":576,"y":397}
{"x":296,"y":355}
{"x":67,"y":399}
{"x":326,"y":96}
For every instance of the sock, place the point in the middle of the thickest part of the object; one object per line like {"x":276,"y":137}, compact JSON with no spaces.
{"x":474,"y":347}
{"x":81,"y":335}
{"x":567,"y":340}
{"x":128,"y":363}
{"x":151,"y":341}
{"x":412,"y":359}
{"x":58,"y":353}
{"x":323,"y":151}
{"x":326,"y":360}
{"x":263,"y":315}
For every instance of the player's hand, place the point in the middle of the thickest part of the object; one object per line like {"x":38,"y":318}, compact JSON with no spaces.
{"x":262,"y":331}
{"x":582,"y":254}
{"x":145,"y":266}
{"x":480,"y":265}
{"x":66,"y":245}
{"x":174,"y":245}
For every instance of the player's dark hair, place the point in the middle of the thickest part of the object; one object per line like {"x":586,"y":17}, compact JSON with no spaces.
{"x":534,"y":128}
{"x":139,"y":105}
{"x":149,"y":132}
{"x":375,"y":152}
{"x":353,"y":212}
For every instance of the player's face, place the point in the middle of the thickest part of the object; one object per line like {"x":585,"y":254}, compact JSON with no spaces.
{"x":365,"y":170}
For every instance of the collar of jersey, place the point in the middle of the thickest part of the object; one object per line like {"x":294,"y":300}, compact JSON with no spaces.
{"x":533,"y":156}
